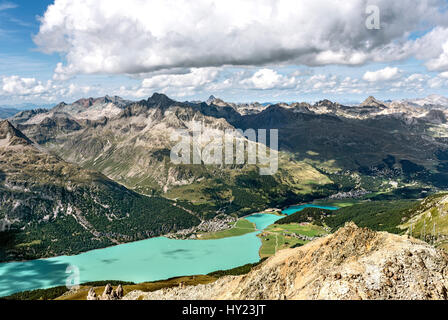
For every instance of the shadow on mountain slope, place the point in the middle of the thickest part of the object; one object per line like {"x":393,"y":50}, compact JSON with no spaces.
{"x":2,"y":177}
{"x":17,"y":277}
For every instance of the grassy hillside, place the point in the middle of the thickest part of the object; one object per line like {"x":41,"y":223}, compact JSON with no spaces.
{"x":244,"y":190}
{"x":375,"y":215}
{"x":277,"y":237}
{"x":429,"y":220}
{"x":313,"y":215}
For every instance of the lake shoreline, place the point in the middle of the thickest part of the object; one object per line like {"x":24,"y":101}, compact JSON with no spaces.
{"x":162,"y":254}
{"x":272,"y":211}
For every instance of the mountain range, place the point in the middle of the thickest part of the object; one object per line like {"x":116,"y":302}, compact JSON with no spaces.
{"x":430,"y":102}
{"x":7,"y":112}
{"x":93,"y":168}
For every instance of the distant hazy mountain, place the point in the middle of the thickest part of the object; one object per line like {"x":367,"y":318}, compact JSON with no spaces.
{"x":28,"y":106}
{"x":430,"y":102}
{"x":241,"y":108}
{"x":8,"y":112}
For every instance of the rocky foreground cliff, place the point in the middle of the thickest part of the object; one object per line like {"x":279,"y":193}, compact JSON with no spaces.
{"x":353,"y":263}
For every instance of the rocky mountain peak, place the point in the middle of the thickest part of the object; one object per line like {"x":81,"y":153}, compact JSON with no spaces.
{"x":9,"y":135}
{"x":118,"y":101}
{"x":60,"y":105}
{"x":211,"y":99}
{"x":327,"y":104}
{"x":108,"y":98}
{"x":88,"y":102}
{"x":372,"y":102}
{"x":160,"y":98}
{"x":85,"y":103}
{"x":217,"y":102}
{"x":157,"y":101}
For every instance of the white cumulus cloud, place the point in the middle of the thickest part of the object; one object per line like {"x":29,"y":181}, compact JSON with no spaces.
{"x":265,"y":79}
{"x":15,"y":87}
{"x":195,"y":78}
{"x":138,"y":36}
{"x":385,"y":74}
{"x":432,"y":48}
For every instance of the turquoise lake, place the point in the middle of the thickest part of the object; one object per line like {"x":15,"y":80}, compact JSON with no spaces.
{"x":262,"y":221}
{"x":142,"y":261}
{"x":148,"y":260}
{"x":294,"y":209}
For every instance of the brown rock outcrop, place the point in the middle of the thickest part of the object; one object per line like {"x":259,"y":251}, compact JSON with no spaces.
{"x":119,"y":292}
{"x":108,"y":294}
{"x":92,"y":295}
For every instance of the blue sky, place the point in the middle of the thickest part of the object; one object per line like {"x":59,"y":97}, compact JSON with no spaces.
{"x":52,"y":51}
{"x":18,"y":22}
